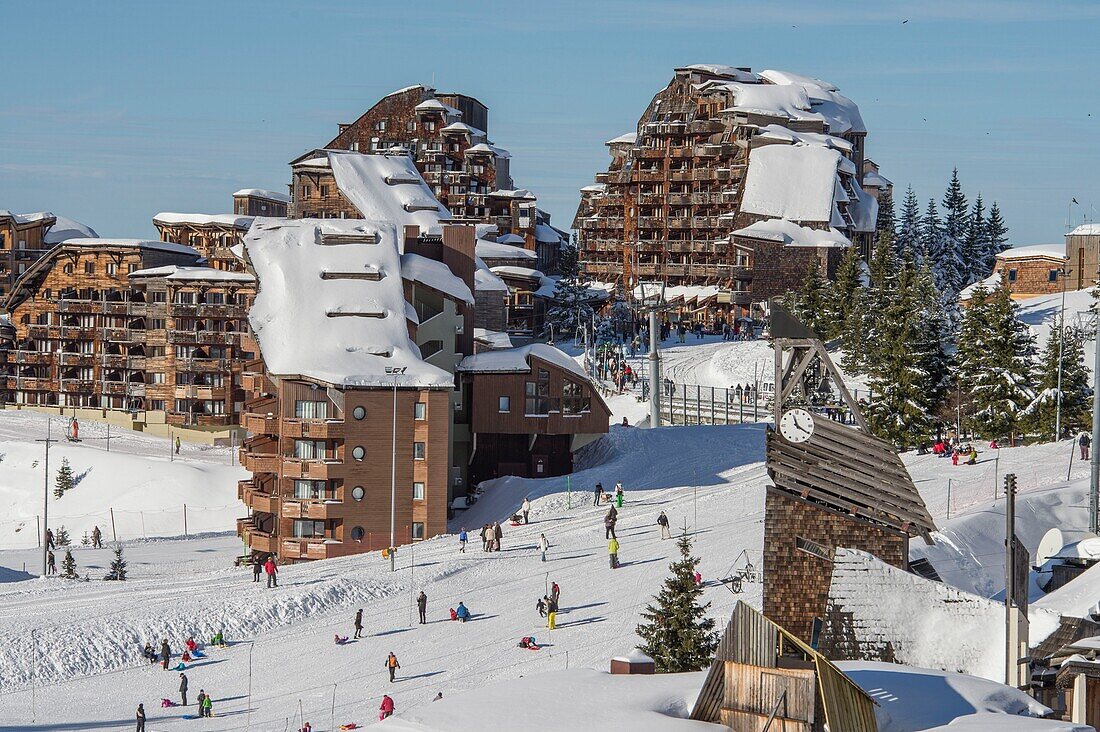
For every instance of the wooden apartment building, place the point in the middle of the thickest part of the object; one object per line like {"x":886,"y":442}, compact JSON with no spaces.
{"x":680,"y":187}
{"x":130,"y":328}
{"x":26,"y":237}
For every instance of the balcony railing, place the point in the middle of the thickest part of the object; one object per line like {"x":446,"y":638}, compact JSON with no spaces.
{"x":256,"y":462}
{"x":314,"y":428}
{"x":259,"y":423}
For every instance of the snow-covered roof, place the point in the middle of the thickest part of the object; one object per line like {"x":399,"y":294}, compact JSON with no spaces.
{"x":165,"y":246}
{"x":27,"y":218}
{"x":387,"y":188}
{"x":319,"y":162}
{"x":876,"y":180}
{"x":464,"y":128}
{"x":515,"y":360}
{"x":486,"y":281}
{"x":595,"y":188}
{"x":343,"y":331}
{"x":509,"y":193}
{"x":510,"y":271}
{"x":548,"y":234}
{"x":1082,"y":230}
{"x":1087,"y":548}
{"x":634,"y":656}
{"x":796,"y":182}
{"x":1050,"y":251}
{"x":863,"y":210}
{"x":511,"y":239}
{"x":839,"y":111}
{"x":64,"y":228}
{"x":494,"y":338}
{"x":791,"y":234}
{"x":435,"y":275}
{"x":627,"y":139}
{"x":198,"y":219}
{"x":434,"y":105}
{"x":176,"y":272}
{"x":989,"y":284}
{"x":726,"y":71}
{"x":488,"y":149}
{"x":262,"y":193}
{"x":779,"y":132}
{"x":496,"y":250}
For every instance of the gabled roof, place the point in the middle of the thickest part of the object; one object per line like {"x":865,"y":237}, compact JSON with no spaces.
{"x":263,"y":193}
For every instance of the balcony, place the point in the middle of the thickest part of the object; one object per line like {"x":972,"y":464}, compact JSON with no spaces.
{"x":203,"y":365}
{"x":649,"y":175}
{"x":209,"y":337}
{"x":77,"y":332}
{"x":257,"y":500}
{"x":38,"y":331}
{"x":260,"y":424}
{"x":30,"y":357}
{"x":260,"y":541}
{"x":310,"y":469}
{"x":31,"y":383}
{"x":77,"y":306}
{"x":314,"y":428}
{"x":77,"y":386}
{"x":257,"y":383}
{"x":76,"y":359}
{"x":308,"y":548}
{"x":121,"y":335}
{"x":258,"y":462}
{"x":293,"y":508}
{"x":197,"y":391}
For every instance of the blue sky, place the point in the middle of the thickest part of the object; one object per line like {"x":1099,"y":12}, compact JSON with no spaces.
{"x":113,"y":111}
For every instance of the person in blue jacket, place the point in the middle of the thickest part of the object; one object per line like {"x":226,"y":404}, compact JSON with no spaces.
{"x":462,"y":613}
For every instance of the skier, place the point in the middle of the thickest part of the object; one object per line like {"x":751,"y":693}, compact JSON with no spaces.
{"x":257,"y":567}
{"x":422,"y":606}
{"x":462,"y":539}
{"x":544,"y":544}
{"x":525,"y":509}
{"x":49,"y":539}
{"x":555,"y":593}
{"x":662,"y":521}
{"x":613,"y":552}
{"x":598,"y":494}
{"x":386,"y":710}
{"x":141,"y":718}
{"x":272,"y":570}
{"x":51,"y":566}
{"x":359,"y":623}
{"x":392,"y":665}
{"x":183,"y":689}
{"x":202,"y":702}
{"x":498,"y":534}
{"x":619,"y":494}
{"x":552,"y":619}
{"x":609,"y":523}
{"x":462,"y":613}
{"x":1085,"y":442}
{"x":165,"y":654}
{"x":97,"y":538}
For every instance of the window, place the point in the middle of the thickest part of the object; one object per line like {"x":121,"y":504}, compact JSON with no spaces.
{"x":112,"y":269}
{"x":67,"y":269}
{"x":418,"y":491}
{"x":538,"y":395}
{"x":158,"y":296}
{"x":1052,"y":276}
{"x":309,"y":529}
{"x":310,"y":449}
{"x":358,"y":452}
{"x":357,"y":533}
{"x":156,"y":377}
{"x":157,"y":405}
{"x":184,"y":298}
{"x":418,"y":451}
{"x":419,"y":410}
{"x":324,"y":191}
{"x":89,"y":268}
{"x":418,"y":530}
{"x":309,"y":489}
{"x":504,"y":404}
{"x":359,"y":412}
{"x":573,"y":399}
{"x":306,"y":409}
{"x":357,"y":493}
{"x":1012,"y":275}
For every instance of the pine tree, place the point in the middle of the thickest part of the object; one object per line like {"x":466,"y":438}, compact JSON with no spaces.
{"x":676,"y":633}
{"x":68,"y":565}
{"x":569,"y":307}
{"x":994,"y":363}
{"x":943,"y":251}
{"x":86,"y":540}
{"x":954,"y":209}
{"x":975,"y":246}
{"x":1042,"y":413}
{"x":996,"y":235}
{"x":118,"y":567}
{"x":886,"y":220}
{"x":811,"y":303}
{"x":881,"y":294}
{"x":61,"y":537}
{"x":844,"y":293}
{"x":909,"y":234}
{"x":64,"y":480}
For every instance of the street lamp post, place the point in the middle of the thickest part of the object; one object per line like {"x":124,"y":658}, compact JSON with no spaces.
{"x":653,"y":295}
{"x":1063,"y":272}
{"x":394,"y":371}
{"x":46,"y":497}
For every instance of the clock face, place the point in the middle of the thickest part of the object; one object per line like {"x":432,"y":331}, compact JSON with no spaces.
{"x":796,"y":425}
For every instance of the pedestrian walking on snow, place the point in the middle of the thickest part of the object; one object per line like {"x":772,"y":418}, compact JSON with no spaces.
{"x":165,"y":654}
{"x":207,"y":707}
{"x":609,"y":524}
{"x":97,"y":538}
{"x":141,"y":718}
{"x":386,"y":710}
{"x":49,"y":539}
{"x":525,"y":509}
{"x":498,"y":534}
{"x":541,"y":607}
{"x":485,"y":538}
{"x":422,"y":606}
{"x":1085,"y":442}
{"x":359,"y":623}
{"x":555,"y":593}
{"x":619,"y":494}
{"x":272,"y":572}
{"x":183,"y":689}
{"x":462,"y":539}
{"x":392,"y":665}
{"x":662,"y":521}
{"x":613,"y":552}
{"x":544,"y":544}
{"x":201,"y":701}
{"x":51,"y":565}
{"x":598,"y":493}
{"x":177,"y":445}
{"x":257,"y":568}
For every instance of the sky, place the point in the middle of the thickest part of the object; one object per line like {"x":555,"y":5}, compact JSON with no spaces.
{"x":113,"y":111}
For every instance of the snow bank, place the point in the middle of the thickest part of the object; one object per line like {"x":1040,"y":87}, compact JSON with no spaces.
{"x":910,"y":698}
{"x":436,"y":275}
{"x":176,"y":272}
{"x":163,"y":246}
{"x":986,"y":721}
{"x":568,"y":701}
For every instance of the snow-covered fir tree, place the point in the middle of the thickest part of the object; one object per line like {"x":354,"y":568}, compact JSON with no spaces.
{"x":61,"y":537}
{"x":996,"y":234}
{"x":975,"y":245}
{"x":942,"y":251}
{"x":811,"y":303}
{"x":845,"y":293}
{"x":994,"y":355}
{"x":907,"y":240}
{"x":886,"y":220}
{"x":68,"y":565}
{"x":85,"y":540}
{"x":117,"y":570}
{"x":955,"y":217}
{"x":569,"y":309}
{"x":64,"y":481}
{"x":880,"y":295}
{"x":677,"y":634}
{"x":1076,"y":401}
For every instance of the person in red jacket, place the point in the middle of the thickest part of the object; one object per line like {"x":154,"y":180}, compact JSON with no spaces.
{"x":272,"y":572}
{"x":386,"y":710}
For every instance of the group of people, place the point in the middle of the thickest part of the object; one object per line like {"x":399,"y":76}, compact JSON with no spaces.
{"x":267,"y":566}
{"x":956,"y":450}
{"x":491,"y":534}
{"x":163,"y":656}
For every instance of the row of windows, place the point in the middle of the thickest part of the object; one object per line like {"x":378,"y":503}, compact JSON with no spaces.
{"x":538,"y":402}
{"x":307,"y":529}
{"x":308,"y":409}
{"x":320,"y":490}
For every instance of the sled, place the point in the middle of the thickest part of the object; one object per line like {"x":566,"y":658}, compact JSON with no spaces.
{"x":350,"y":725}
{"x":515,"y":525}
{"x":179,"y":667}
{"x":74,"y":439}
{"x":198,"y":654}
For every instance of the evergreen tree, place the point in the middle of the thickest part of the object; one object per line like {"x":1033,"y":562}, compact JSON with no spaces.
{"x":943,"y":251}
{"x":118,"y":566}
{"x":811,"y":303}
{"x":996,"y":235}
{"x":68,"y":565}
{"x":954,"y":209}
{"x":975,"y":246}
{"x":909,"y":235}
{"x":61,"y":537}
{"x":844,"y":293}
{"x":676,"y":633}
{"x":86,"y":540}
{"x":1076,"y":402}
{"x":886,"y":220}
{"x":569,"y":307}
{"x":994,"y":363}
{"x":881,"y":294}
{"x":64,"y":480}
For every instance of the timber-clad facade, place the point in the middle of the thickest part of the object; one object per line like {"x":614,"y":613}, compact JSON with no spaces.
{"x":21,"y":244}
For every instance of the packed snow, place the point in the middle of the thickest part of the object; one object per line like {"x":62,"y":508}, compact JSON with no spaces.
{"x":791,"y":234}
{"x":65,"y":228}
{"x":387,"y":188}
{"x":200,"y":219}
{"x":768,"y":189}
{"x":177,"y":272}
{"x":1052,"y":251}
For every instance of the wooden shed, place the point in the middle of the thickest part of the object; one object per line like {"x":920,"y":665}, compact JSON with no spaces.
{"x":633,"y":663}
{"x":763,"y":675}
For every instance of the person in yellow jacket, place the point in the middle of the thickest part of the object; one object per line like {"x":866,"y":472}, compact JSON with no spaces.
{"x":613,"y":552}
